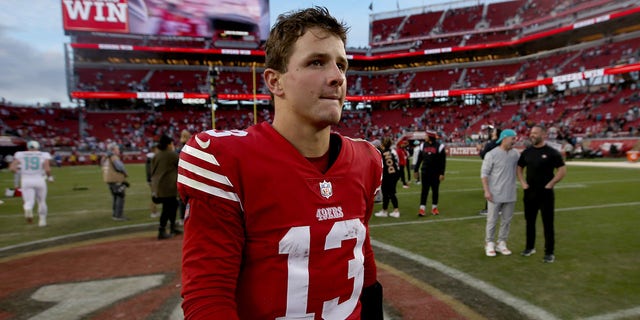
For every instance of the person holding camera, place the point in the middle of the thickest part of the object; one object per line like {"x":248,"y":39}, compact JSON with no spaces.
{"x":115,"y":175}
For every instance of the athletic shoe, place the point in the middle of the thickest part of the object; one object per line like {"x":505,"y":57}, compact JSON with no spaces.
{"x":119,"y":218}
{"x":549,"y":258}
{"x":28,"y":214}
{"x":489,"y":249}
{"x":42,"y":222}
{"x":154,"y":214}
{"x":502,"y":248}
{"x":528,"y":252}
{"x":483,"y":212}
{"x":405,"y":186}
{"x":395,"y":214}
{"x":435,"y":211}
{"x":421,"y":213}
{"x":381,"y":214}
{"x":164,"y":235}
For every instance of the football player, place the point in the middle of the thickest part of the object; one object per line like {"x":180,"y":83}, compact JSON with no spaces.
{"x":34,"y":166}
{"x":276,"y":225}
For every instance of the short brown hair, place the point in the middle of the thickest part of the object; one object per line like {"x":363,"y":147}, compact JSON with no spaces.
{"x":291,"y":26}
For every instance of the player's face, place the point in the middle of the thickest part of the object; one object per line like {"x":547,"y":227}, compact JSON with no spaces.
{"x":314,"y":86}
{"x":536,"y":136}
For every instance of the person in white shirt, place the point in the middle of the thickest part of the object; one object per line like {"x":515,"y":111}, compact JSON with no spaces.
{"x":34,"y":166}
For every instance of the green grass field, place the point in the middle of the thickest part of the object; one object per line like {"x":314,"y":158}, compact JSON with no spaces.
{"x":597,"y":269}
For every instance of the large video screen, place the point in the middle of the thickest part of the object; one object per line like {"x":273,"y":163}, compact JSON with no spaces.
{"x":188,"y":18}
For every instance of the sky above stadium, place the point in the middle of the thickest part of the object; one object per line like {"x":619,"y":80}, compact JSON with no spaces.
{"x":32,"y":67}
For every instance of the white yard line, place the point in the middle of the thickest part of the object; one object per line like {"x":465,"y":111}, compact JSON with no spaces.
{"x":524,"y":307}
{"x":629,"y":313}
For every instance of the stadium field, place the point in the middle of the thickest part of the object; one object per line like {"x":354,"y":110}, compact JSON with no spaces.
{"x":595,"y":276}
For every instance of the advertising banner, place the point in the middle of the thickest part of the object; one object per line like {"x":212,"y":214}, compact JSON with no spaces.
{"x":194,"y":18}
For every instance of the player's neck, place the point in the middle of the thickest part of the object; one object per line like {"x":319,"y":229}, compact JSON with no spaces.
{"x":310,"y":142}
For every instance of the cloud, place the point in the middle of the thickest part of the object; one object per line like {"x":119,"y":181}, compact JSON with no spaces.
{"x":32,"y":54}
{"x":30,"y":75}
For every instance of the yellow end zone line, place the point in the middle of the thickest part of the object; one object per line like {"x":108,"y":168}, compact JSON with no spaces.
{"x":455,"y":304}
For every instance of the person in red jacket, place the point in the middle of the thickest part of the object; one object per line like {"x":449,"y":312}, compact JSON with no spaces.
{"x":403,"y":154}
{"x":277,"y":217}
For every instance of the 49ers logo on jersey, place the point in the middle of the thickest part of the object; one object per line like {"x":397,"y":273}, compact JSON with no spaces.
{"x":326,"y":190}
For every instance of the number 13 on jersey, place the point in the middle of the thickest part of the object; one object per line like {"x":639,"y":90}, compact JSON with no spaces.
{"x":296,"y":244}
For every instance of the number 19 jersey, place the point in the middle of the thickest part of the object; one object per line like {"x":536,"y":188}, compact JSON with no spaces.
{"x":32,"y":163}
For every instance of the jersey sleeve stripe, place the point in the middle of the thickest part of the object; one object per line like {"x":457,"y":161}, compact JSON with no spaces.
{"x":214,"y":191}
{"x":204,"y":173}
{"x":200,"y":154}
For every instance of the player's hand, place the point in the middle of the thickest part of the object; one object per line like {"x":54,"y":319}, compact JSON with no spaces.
{"x":50,"y":179}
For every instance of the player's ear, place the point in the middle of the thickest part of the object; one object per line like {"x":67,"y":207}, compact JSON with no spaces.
{"x":273,"y":80}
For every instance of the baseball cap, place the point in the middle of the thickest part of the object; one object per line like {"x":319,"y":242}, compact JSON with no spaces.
{"x":506,"y":133}
{"x":33,"y":145}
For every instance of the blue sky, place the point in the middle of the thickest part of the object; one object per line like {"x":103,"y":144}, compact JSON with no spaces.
{"x":32,"y":50}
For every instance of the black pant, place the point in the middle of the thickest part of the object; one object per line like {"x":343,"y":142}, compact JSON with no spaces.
{"x":542,"y":200}
{"x":388,"y":189}
{"x":118,"y":193}
{"x":402,"y":175}
{"x":430,"y":181}
{"x":169,"y":211}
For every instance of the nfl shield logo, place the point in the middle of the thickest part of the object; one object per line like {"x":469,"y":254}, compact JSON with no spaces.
{"x":325,"y":189}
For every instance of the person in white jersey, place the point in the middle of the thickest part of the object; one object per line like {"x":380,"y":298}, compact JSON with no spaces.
{"x":34,"y":166}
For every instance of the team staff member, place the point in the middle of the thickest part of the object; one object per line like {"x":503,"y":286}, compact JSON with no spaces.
{"x":276,"y":225}
{"x":541,"y":161}
{"x":33,"y":165}
{"x":433,"y":158}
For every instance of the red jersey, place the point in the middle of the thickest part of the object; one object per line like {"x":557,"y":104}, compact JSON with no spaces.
{"x":269,"y":236}
{"x":402,"y":156}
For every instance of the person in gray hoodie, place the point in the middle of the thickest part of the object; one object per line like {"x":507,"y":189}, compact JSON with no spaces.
{"x":498,"y":176}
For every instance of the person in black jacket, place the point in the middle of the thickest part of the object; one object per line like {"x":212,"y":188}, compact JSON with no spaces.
{"x":433,"y":158}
